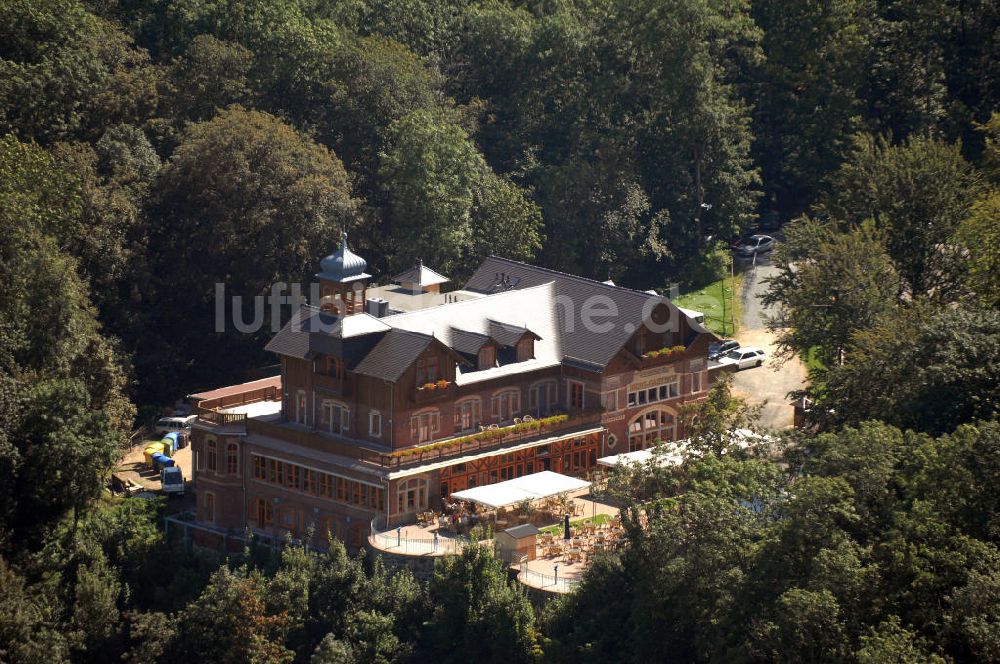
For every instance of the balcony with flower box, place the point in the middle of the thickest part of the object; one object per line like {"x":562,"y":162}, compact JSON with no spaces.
{"x":494,"y":437}
{"x":440,"y":390}
{"x":662,"y":356}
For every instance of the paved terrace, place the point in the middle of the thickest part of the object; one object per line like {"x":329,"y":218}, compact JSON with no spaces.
{"x":573,"y":557}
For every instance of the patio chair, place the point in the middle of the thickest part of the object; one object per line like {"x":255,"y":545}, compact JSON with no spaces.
{"x":528,"y":418}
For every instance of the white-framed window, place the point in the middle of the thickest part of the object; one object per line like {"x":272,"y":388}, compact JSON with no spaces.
{"x":375,"y":424}
{"x":542,"y":397}
{"x":335,"y":417}
{"x":424,"y":425}
{"x":609,"y":401}
{"x":505,"y":404}
{"x":648,"y":428}
{"x":468,"y":414}
{"x":411,"y":495}
{"x":695,"y":383}
{"x":575,"y":394}
{"x":649,"y":395}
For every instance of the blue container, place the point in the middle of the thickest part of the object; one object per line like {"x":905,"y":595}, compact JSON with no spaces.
{"x":159,"y":460}
{"x":167,"y":463}
{"x":172,"y":439}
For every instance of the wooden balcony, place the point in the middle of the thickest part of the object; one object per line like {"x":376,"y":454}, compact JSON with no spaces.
{"x":212,"y":410}
{"x":215,"y":417}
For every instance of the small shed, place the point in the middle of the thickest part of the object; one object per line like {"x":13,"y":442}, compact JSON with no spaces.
{"x":517,"y":542}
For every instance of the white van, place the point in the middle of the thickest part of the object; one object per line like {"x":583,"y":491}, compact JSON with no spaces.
{"x":172,"y":481}
{"x":168,"y":424}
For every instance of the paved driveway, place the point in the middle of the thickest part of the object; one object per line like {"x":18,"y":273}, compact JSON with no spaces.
{"x":769,"y":384}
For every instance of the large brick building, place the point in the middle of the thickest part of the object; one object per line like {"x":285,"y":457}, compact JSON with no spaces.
{"x":392,"y":398}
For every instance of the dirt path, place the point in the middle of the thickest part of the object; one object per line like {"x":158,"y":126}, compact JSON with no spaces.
{"x":769,"y":384}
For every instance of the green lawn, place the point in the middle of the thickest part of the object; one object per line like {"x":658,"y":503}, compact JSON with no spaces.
{"x":708,"y":300}
{"x":596,"y":520}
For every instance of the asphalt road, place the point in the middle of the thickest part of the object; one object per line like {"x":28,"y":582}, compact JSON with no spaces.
{"x":771,"y":383}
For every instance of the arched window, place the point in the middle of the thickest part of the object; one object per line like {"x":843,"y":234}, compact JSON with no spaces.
{"x":334,"y":417}
{"x":467,"y":414}
{"x":651,"y":426}
{"x":212,"y":454}
{"x":423,"y":425}
{"x":411,"y":495}
{"x":542,"y":398}
{"x":232,"y":459}
{"x":505,"y":404}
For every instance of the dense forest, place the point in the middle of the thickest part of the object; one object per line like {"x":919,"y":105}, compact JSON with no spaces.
{"x":150,"y":149}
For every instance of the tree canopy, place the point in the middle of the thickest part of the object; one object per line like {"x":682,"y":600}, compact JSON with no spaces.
{"x":152,"y":149}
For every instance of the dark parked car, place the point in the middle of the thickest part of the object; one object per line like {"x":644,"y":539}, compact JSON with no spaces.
{"x":717,"y":350}
{"x":755,"y":244}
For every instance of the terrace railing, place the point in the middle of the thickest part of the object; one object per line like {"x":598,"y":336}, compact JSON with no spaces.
{"x":547,"y":581}
{"x":392,"y":542}
{"x":210,"y":410}
{"x":486,"y":440}
{"x":215,"y":417}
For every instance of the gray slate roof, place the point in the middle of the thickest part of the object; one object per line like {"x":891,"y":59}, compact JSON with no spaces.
{"x":394,"y":354}
{"x":522,"y":531}
{"x":468,"y":342}
{"x":584,"y":347}
{"x":517,"y":299}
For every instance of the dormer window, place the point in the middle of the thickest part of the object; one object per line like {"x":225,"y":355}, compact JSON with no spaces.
{"x":427,"y":370}
{"x":487,"y":357}
{"x":525,"y":349}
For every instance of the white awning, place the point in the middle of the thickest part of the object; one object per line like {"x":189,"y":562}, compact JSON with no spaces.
{"x":672,"y":453}
{"x":530,"y":487}
{"x":666,"y":458}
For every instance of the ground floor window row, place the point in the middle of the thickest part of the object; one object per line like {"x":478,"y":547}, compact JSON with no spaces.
{"x":266,"y":514}
{"x":574,"y":456}
{"x":316,"y":483}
